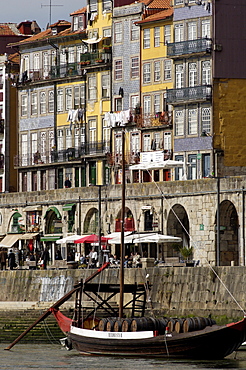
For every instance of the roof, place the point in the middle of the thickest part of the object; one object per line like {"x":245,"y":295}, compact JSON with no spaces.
{"x":9,"y":29}
{"x":79,"y":11}
{"x":157,"y":16}
{"x":156,"y":4}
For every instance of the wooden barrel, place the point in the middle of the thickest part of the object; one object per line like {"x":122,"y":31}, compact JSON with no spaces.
{"x":102,"y":324}
{"x":189,"y":325}
{"x":126,"y":325}
{"x":171,"y":324}
{"x":118,"y":325}
{"x":143,"y":324}
{"x":179,"y":325}
{"x":161,"y":325}
{"x":110,"y":323}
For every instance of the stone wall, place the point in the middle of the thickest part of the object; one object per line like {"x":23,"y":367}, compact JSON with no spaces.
{"x":176,"y":291}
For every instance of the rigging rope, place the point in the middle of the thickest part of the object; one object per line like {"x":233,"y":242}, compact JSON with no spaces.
{"x":195,"y":244}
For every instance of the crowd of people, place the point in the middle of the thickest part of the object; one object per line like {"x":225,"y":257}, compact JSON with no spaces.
{"x":7,"y":259}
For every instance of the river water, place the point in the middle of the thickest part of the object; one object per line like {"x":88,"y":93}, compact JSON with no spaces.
{"x":53,"y":356}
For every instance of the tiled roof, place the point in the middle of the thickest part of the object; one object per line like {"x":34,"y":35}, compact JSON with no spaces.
{"x":8,"y":29}
{"x":157,"y":16}
{"x":156,"y":4}
{"x":79,"y":11}
{"x":15,"y":58}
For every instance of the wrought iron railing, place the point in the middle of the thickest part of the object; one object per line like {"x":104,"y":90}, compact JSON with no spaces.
{"x":189,"y":94}
{"x":65,"y":155}
{"x":154,"y":119}
{"x":189,"y":47}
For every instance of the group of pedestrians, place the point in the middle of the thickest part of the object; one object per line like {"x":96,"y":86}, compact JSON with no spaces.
{"x":7,"y":259}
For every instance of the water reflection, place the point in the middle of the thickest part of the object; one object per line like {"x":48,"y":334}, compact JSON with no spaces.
{"x":49,"y":357}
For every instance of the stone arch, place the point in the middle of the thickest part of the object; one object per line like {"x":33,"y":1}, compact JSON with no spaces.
{"x":178,"y":225}
{"x":229,"y":248}
{"x":129,"y":223}
{"x":16,"y":223}
{"x":91,"y":221}
{"x":53,"y":223}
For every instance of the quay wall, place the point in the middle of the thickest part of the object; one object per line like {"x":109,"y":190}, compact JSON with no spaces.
{"x":176,"y":291}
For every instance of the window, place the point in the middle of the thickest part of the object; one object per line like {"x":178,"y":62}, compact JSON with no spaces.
{"x":107,"y":32}
{"x":51,"y":102}
{"x":167,"y":69}
{"x":167,"y":34}
{"x":146,"y":143}
{"x":118,"y":69}
{"x":34,"y":104}
{"x":192,"y":121}
{"x":206,"y":32}
{"x":43,"y":146}
{"x":179,"y":171}
{"x":75,"y":23}
{"x":179,"y":122}
{"x":146,"y":73}
{"x":23,"y":105}
{"x":146,"y":38}
{"x":192,"y":31}
{"x":34,"y":145}
{"x":206,"y":165}
{"x":106,"y":131}
{"x":117,"y":32}
{"x":68,"y":98}
{"x":24,"y":150}
{"x":134,"y":101}
{"x":134,"y":31}
{"x":107,"y":5}
{"x":105,"y":86}
{"x":157,"y":103}
{"x":135,"y":67}
{"x":192,"y":74}
{"x":135,"y":142}
{"x":59,"y":100}
{"x":68,"y":138}
{"x":93,"y":5}
{"x":118,"y":104}
{"x":179,"y":32}
{"x":118,"y":144}
{"x":179,"y":76}
{"x":45,"y":64}
{"x":92,"y":130}
{"x":92,"y":89}
{"x":76,"y":101}
{"x":71,"y":54}
{"x":157,"y":37}
{"x":192,"y":166}
{"x":42,"y":102}
{"x":157,"y":71}
{"x":82,"y":95}
{"x":178,"y":2}
{"x":36,"y":62}
{"x":206,"y":72}
{"x":146,"y":104}
{"x":167,"y":141}
{"x":206,"y":119}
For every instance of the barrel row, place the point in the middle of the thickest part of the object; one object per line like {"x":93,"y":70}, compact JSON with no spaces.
{"x":152,"y":324}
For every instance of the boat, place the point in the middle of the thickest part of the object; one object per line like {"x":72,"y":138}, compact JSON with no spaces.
{"x":138,"y":335}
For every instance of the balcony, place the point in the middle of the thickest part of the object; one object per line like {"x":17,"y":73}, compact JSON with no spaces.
{"x":187,"y":94}
{"x":61,"y":156}
{"x":198,"y":46}
{"x":99,"y":57}
{"x":153,"y":120}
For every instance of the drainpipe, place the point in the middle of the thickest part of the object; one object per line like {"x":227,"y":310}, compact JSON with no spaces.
{"x":218,"y":223}
{"x":243,"y":225}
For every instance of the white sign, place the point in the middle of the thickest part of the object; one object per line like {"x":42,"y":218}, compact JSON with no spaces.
{"x":156,"y":157}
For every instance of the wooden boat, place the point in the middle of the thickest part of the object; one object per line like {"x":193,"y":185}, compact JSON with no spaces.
{"x":205,"y":341}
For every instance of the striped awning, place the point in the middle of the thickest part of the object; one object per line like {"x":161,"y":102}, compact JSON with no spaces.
{"x":68,"y":207}
{"x":10,"y":240}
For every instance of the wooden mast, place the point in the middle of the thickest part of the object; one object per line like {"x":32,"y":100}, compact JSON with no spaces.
{"x":122,"y":244}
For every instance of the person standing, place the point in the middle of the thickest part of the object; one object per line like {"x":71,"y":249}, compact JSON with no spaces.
{"x":45,"y":257}
{"x":67,"y":183}
{"x":11,"y":260}
{"x":3,"y":258}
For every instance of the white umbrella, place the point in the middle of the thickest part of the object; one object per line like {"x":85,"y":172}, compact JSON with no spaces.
{"x":158,"y":238}
{"x":169,"y":163}
{"x":68,"y":239}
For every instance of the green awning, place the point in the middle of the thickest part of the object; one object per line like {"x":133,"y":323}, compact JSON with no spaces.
{"x":68,"y":207}
{"x":54,"y":209}
{"x":50,"y":238}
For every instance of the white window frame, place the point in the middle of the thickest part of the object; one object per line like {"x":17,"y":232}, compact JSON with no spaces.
{"x":206,"y":119}
{"x":34,"y":104}
{"x":92,"y":88}
{"x":167,"y":69}
{"x":179,"y":32}
{"x":157,"y":71}
{"x":68,"y":98}
{"x":206,"y":28}
{"x":192,"y":30}
{"x":51,"y":106}
{"x":192,"y":121}
{"x":192,"y":71}
{"x":157,"y":37}
{"x":146,"y":73}
{"x":179,"y":122}
{"x":167,"y":34}
{"x":23,"y":105}
{"x":105,"y":86}
{"x":146,"y":104}
{"x":146,"y":38}
{"x":118,"y":32}
{"x":146,"y":142}
{"x":135,"y":67}
{"x":157,"y":103}
{"x":134,"y":31}
{"x":60,"y":103}
{"x":118,"y":69}
{"x":179,"y":76}
{"x":206,"y":72}
{"x":42,"y":102}
{"x":92,"y":130}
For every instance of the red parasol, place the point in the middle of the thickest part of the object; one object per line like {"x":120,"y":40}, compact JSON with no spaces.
{"x":93,"y":238}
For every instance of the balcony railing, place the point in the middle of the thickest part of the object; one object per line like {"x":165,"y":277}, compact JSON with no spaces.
{"x":65,"y":155}
{"x":152,"y":120}
{"x":98,"y":57}
{"x":184,"y":94}
{"x":189,"y":47}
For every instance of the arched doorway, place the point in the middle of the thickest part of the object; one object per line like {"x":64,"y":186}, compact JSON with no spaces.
{"x":228,"y":248}
{"x":177,"y":225}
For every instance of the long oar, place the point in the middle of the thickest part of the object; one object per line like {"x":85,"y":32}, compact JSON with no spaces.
{"x":56,"y":305}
